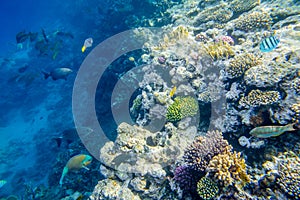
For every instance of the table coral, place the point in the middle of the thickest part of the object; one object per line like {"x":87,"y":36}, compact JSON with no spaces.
{"x":253,"y":21}
{"x":257,"y":98}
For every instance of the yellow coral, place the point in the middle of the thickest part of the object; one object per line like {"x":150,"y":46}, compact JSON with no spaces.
{"x":229,"y":168}
{"x":218,"y":50}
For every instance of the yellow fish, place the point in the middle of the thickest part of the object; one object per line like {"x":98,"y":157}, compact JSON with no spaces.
{"x":271,"y":131}
{"x":75,"y":163}
{"x":87,"y":43}
{"x":172,"y":92}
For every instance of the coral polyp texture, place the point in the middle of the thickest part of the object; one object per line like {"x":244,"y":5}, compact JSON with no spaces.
{"x":204,"y":148}
{"x":253,"y":20}
{"x":186,"y":177}
{"x":218,"y":50}
{"x":257,"y":98}
{"x":181,"y":108}
{"x":229,"y":168}
{"x":239,"y":64}
{"x":207,"y":189}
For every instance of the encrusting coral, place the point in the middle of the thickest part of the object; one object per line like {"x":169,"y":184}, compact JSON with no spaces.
{"x":253,"y":21}
{"x":206,"y":188}
{"x":257,"y":98}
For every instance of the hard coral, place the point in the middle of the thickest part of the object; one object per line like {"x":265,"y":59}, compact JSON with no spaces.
{"x":240,"y":6}
{"x":204,"y":148}
{"x":186,"y":178}
{"x":181,"y":108}
{"x":229,"y":168}
{"x":206,"y":188}
{"x":241,"y":63}
{"x":253,"y":21}
{"x":218,"y":50}
{"x":257,"y":98}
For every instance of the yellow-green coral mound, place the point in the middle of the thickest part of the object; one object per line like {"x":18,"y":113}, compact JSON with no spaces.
{"x":219,"y":50}
{"x":206,"y":188}
{"x":253,"y":20}
{"x":181,"y":108}
{"x":241,"y":63}
{"x":229,"y":168}
{"x":257,"y":98}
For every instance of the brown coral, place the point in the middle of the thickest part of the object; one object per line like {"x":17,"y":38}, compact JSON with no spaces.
{"x":254,"y":20}
{"x":229,"y":169}
{"x":218,"y":50}
{"x":257,"y":98}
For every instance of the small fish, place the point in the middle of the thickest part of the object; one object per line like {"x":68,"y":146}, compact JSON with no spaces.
{"x":21,"y":37}
{"x":87,"y":43}
{"x":58,"y":73}
{"x":2,"y":183}
{"x":172,"y":92}
{"x":271,"y":131}
{"x":76,"y":163}
{"x":268,"y":44}
{"x":45,"y":36}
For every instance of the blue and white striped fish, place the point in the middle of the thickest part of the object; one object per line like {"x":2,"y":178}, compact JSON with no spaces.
{"x":2,"y":182}
{"x":268,"y":44}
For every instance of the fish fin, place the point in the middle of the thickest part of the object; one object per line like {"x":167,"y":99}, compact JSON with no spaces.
{"x":85,"y":167}
{"x":290,"y":127}
{"x":65,"y":171}
{"x":46,"y":75}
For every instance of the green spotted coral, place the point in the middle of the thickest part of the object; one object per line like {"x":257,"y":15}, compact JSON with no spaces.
{"x":181,"y":108}
{"x":206,"y":188}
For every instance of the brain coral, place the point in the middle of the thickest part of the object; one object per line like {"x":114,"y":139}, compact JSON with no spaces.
{"x":204,"y":148}
{"x":206,"y":188}
{"x":241,"y":63}
{"x":181,"y":108}
{"x":257,"y":98}
{"x":253,"y":20}
{"x":229,"y":168}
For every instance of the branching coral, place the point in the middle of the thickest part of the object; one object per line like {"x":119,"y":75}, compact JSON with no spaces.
{"x":204,"y":148}
{"x":186,"y":177}
{"x":229,"y":168}
{"x":181,"y":108}
{"x":257,"y":98}
{"x":206,"y":188}
{"x":218,"y":50}
{"x":253,"y":20}
{"x":241,"y":63}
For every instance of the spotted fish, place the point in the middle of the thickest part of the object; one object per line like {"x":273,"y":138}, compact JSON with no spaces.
{"x":271,"y":131}
{"x":268,"y":44}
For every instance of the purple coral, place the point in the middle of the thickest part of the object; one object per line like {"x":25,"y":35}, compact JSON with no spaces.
{"x":186,"y":178}
{"x":204,"y":148}
{"x":161,"y":59}
{"x":226,"y":39}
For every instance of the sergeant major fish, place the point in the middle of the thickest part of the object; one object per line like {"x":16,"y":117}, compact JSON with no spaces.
{"x":76,"y":163}
{"x":268,"y":44}
{"x":58,"y":73}
{"x":271,"y":131}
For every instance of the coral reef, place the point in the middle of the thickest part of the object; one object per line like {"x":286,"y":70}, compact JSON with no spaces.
{"x":185,"y":177}
{"x":181,"y":108}
{"x":218,"y":50}
{"x":229,"y":168}
{"x":258,"y":98}
{"x":253,"y":21}
{"x":206,"y":188}
{"x":239,"y":64}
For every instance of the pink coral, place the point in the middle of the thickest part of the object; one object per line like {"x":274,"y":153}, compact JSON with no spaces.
{"x":226,"y":39}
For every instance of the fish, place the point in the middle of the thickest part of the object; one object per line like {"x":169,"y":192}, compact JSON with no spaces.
{"x":76,"y":163}
{"x":45,"y":36}
{"x":87,"y":43}
{"x":21,"y":37}
{"x":2,"y":183}
{"x":271,"y":131}
{"x":268,"y":44}
{"x":58,"y":73}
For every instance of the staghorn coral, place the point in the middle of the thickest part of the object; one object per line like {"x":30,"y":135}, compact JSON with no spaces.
{"x":253,"y":21}
{"x":219,"y":50}
{"x":204,"y":148}
{"x":239,"y":64}
{"x":229,"y":168}
{"x":257,"y":98}
{"x":206,"y":188}
{"x":287,"y":167}
{"x":181,"y":108}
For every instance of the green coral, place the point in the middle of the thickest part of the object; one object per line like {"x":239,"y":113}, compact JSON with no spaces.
{"x":181,"y":108}
{"x":241,"y":63}
{"x":206,"y":188}
{"x":219,"y":50}
{"x":257,"y":98}
{"x":254,"y":20}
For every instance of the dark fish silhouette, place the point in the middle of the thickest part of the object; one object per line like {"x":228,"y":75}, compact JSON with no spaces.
{"x":58,"y":73}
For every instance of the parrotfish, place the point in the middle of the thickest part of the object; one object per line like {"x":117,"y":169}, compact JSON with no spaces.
{"x":268,"y":44}
{"x":76,"y":163}
{"x":271,"y":131}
